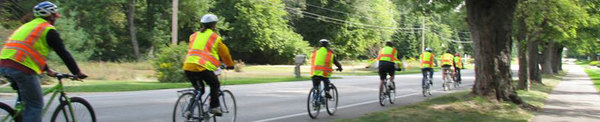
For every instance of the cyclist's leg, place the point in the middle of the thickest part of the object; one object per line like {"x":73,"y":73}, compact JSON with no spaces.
{"x":30,"y":92}
{"x":424,"y":81}
{"x":326,"y":83}
{"x":458,"y":75}
{"x":382,"y":72}
{"x":196,"y":80}
{"x":430,"y":75}
{"x":316,"y":80}
{"x":444,"y":69}
{"x":213,"y":82}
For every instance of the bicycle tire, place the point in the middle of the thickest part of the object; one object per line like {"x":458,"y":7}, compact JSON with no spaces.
{"x":79,"y":106}
{"x":7,"y":113}
{"x":181,"y":106}
{"x":382,"y":94}
{"x":331,"y":109}
{"x":312,"y":103}
{"x":228,"y":106}
{"x":392,"y":93}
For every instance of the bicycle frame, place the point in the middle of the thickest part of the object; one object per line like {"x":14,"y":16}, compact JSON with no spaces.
{"x":58,"y":89}
{"x":198,"y":98}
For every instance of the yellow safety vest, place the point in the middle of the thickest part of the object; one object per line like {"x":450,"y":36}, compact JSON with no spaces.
{"x":447,"y":59}
{"x":388,"y":53}
{"x":28,"y":45}
{"x":458,"y":62}
{"x":427,"y":60}
{"x":202,"y":50}
{"x":321,"y":62}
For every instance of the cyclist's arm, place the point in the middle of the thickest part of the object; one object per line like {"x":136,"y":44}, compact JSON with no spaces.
{"x":224,"y":54}
{"x":336,"y":62}
{"x":56,"y":43}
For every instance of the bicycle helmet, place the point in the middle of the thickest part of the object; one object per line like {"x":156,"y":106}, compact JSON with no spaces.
{"x":209,"y":18}
{"x":428,"y":49}
{"x":45,"y":9}
{"x":457,"y":54}
{"x":324,"y":41}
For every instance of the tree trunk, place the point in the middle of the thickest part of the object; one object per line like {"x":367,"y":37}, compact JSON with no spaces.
{"x":547,"y":55}
{"x":534,"y":70}
{"x":132,"y":31}
{"x":523,"y":83}
{"x":557,"y":57}
{"x":490,"y":22}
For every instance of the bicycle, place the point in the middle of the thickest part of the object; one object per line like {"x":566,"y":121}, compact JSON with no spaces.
{"x":427,"y":86}
{"x":190,"y":99}
{"x":70,"y":109}
{"x":387,"y":90}
{"x":448,"y":81}
{"x":456,"y":83}
{"x":316,"y":99}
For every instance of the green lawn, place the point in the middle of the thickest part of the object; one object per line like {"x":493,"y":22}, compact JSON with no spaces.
{"x":595,"y":76}
{"x":120,"y":85}
{"x":374,"y":72}
{"x":582,"y":62}
{"x":461,"y":106}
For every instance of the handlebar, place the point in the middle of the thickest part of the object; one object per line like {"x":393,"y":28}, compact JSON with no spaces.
{"x":64,"y":75}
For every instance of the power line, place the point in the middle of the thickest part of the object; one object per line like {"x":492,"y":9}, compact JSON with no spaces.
{"x":343,"y":21}
{"x":349,"y":14}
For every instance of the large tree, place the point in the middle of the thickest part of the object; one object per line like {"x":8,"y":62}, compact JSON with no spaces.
{"x":490,"y":22}
{"x":259,"y":32}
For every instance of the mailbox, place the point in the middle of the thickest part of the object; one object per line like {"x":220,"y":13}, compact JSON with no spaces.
{"x":300,"y":59}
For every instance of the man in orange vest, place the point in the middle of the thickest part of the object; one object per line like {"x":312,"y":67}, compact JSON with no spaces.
{"x":23,"y":58}
{"x":206,"y":48}
{"x":457,"y":66}
{"x":427,"y":61}
{"x":321,"y":69}
{"x":388,"y":62}
{"x":447,"y":63}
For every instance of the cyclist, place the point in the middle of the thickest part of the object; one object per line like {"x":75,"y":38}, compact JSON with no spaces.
{"x":388,"y":62}
{"x":23,"y":58}
{"x":427,"y":61}
{"x":457,"y":66}
{"x":447,"y":63}
{"x":321,"y":69}
{"x":206,"y":48}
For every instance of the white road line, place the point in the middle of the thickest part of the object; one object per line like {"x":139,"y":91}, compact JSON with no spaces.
{"x":341,"y":107}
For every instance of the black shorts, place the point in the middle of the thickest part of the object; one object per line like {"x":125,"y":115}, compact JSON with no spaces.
{"x":386,"y":68}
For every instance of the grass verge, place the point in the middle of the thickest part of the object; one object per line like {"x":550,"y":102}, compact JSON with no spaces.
{"x":461,"y":106}
{"x":120,"y":85}
{"x":595,"y":76}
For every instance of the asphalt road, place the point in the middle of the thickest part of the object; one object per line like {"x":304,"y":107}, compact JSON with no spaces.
{"x":266,"y":102}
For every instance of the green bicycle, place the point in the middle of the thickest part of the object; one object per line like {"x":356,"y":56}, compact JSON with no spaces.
{"x":70,"y":109}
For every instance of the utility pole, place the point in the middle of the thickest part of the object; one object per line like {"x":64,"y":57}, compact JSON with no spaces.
{"x":422,"y":34}
{"x":174,"y":22}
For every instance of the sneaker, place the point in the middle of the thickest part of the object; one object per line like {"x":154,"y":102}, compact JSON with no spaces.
{"x":216,"y":111}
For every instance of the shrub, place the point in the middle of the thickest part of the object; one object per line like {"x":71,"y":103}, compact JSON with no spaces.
{"x":595,"y":63}
{"x":168,"y":63}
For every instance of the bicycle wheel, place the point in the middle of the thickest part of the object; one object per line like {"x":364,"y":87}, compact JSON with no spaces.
{"x":313,"y":103}
{"x":7,"y":113}
{"x":332,"y":103}
{"x":181,"y":112}
{"x":429,"y":87}
{"x":382,"y":93}
{"x":424,"y":85}
{"x":79,"y":111}
{"x":392,"y":92}
{"x":228,"y":106}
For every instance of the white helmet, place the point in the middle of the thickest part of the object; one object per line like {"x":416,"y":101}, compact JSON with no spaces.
{"x":44,"y":9}
{"x":428,"y":49}
{"x":209,"y":18}
{"x":324,"y":41}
